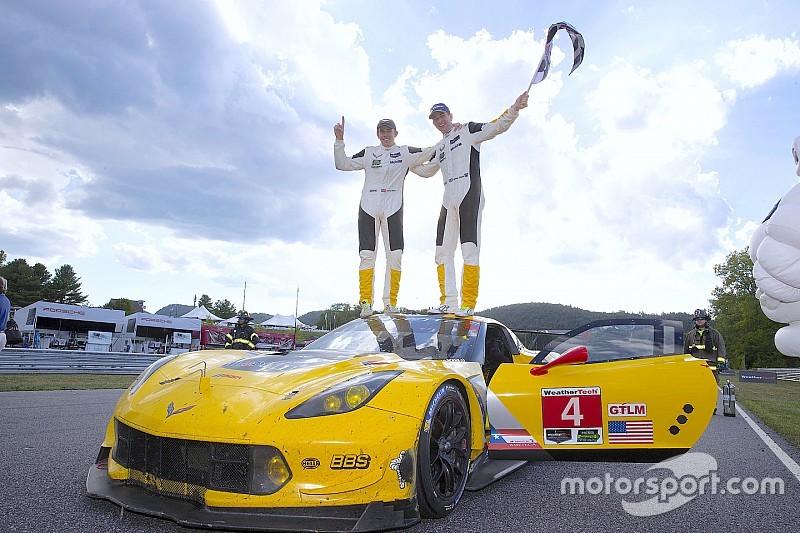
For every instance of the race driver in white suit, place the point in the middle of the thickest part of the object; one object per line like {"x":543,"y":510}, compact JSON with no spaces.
{"x":458,"y":156}
{"x":381,"y":208}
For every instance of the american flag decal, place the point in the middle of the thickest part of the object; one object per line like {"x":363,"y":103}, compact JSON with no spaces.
{"x":627,"y":432}
{"x":512,"y":439}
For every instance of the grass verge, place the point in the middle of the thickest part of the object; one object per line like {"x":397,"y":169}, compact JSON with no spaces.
{"x":29,"y":382}
{"x":774,"y":404}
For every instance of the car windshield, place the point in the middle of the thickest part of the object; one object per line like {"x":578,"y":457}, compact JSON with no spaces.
{"x":618,"y":339}
{"x":411,"y":337}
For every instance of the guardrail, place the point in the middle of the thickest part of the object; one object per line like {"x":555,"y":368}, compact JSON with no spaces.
{"x":785,"y":374}
{"x":33,"y":361}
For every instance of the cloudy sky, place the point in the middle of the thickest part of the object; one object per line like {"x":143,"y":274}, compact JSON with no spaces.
{"x":171,"y":149}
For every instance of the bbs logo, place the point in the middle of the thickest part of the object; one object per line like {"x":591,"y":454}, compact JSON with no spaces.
{"x":350,"y":461}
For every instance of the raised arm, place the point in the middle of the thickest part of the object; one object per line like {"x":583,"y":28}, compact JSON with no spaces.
{"x":338,"y":130}
{"x":501,"y":124}
{"x":340,"y":158}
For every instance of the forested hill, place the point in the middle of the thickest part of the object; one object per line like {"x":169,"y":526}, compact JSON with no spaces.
{"x":556,"y":316}
{"x":516,"y":316}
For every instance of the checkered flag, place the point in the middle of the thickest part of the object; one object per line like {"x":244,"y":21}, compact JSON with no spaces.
{"x":578,"y":47}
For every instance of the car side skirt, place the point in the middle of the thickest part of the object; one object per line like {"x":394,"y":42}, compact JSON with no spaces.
{"x":643,"y":455}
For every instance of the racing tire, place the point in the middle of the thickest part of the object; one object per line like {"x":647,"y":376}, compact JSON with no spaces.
{"x":443,"y":453}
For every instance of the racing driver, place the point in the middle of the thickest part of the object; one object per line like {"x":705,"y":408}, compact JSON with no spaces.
{"x":458,"y":156}
{"x":381,"y":208}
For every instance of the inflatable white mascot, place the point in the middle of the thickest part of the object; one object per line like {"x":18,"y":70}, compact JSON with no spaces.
{"x":775,"y":251}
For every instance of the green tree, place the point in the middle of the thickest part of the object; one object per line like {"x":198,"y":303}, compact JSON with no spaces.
{"x":2,"y":257}
{"x":122,"y":304}
{"x":44,"y":277}
{"x":337,"y":315}
{"x":748,"y":333}
{"x":223,"y":309}
{"x":205,"y":300}
{"x":24,"y":286}
{"x":66,"y":287}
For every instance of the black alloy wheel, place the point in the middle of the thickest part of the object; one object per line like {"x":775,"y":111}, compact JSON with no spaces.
{"x":444,"y":450}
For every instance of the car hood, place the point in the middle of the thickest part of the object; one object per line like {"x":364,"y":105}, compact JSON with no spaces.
{"x":231,"y":395}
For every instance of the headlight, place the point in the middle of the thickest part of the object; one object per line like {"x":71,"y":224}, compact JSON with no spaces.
{"x":344,"y":397}
{"x":149,"y":371}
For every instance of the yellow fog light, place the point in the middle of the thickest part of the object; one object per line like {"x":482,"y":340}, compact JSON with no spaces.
{"x":356,"y":395}
{"x":269,"y":471}
{"x":278,"y":471}
{"x":332,"y":404}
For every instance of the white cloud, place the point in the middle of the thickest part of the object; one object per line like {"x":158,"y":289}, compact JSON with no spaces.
{"x":756,"y":60}
{"x":561,"y":210}
{"x":189,"y":151}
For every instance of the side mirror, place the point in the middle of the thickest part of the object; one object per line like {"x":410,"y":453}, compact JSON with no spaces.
{"x":578,"y":354}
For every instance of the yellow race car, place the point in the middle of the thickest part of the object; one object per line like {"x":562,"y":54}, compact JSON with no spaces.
{"x":390,"y":418}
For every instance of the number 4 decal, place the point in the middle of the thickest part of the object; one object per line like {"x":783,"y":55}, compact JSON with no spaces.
{"x":572,"y":412}
{"x":572,"y":416}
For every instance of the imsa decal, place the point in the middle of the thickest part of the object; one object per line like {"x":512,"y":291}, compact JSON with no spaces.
{"x":350,"y":461}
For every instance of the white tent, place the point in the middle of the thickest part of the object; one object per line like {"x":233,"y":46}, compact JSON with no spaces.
{"x":202,"y":313}
{"x":284,"y":321}
{"x":228,"y":321}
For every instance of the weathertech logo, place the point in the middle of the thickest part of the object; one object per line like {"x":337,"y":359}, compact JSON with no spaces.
{"x":581,"y":391}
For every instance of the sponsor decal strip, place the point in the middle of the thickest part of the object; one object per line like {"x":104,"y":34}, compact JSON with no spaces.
{"x":512,"y":439}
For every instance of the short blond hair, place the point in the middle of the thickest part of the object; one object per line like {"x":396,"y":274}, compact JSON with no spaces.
{"x":3,"y":284}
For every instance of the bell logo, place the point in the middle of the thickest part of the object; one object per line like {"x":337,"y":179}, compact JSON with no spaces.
{"x":627,"y":409}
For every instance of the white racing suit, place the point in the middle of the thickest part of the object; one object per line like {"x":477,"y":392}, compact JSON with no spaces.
{"x":381,"y":210}
{"x":458,"y":156}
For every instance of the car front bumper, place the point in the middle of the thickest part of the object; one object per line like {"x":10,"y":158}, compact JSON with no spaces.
{"x":375,"y":516}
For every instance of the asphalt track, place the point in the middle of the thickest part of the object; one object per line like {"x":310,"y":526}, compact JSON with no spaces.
{"x":49,"y":439}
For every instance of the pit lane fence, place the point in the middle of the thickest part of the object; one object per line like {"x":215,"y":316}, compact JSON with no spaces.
{"x":32,"y":361}
{"x":785,"y":374}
